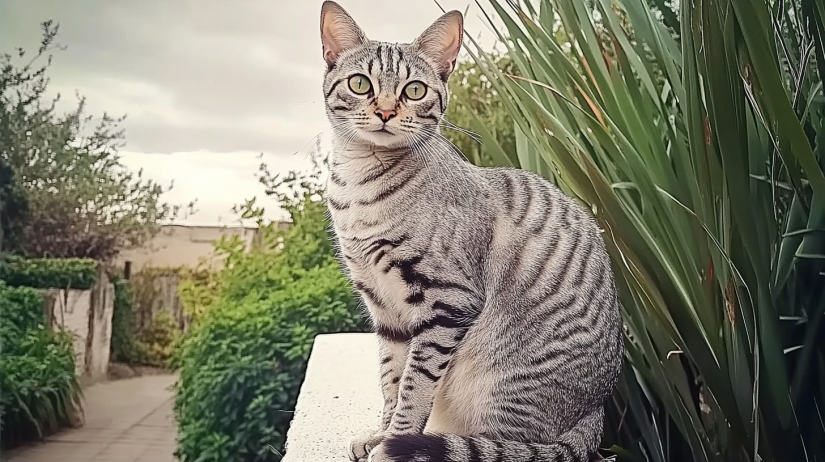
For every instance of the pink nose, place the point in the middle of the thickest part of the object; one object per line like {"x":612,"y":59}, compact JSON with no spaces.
{"x":385,"y":114}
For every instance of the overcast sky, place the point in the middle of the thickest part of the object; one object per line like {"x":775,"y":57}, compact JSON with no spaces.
{"x":207,"y":85}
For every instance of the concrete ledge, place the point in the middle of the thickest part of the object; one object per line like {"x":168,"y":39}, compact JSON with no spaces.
{"x":340,"y":397}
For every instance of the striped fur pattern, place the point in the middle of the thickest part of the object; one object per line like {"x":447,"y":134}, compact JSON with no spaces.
{"x":490,"y":291}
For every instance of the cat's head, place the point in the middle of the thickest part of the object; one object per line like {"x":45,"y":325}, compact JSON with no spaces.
{"x":387,"y":94}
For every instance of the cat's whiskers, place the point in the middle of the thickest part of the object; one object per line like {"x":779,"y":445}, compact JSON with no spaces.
{"x":348,"y":140}
{"x":444,"y":123}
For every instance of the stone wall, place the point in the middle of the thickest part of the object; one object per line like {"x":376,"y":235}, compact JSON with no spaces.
{"x":87,"y":315}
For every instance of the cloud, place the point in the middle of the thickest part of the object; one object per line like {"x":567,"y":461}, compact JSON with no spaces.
{"x":206,"y":81}
{"x":215,"y":180}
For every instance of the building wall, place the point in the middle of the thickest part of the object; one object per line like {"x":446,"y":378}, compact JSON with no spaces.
{"x":182,"y":245}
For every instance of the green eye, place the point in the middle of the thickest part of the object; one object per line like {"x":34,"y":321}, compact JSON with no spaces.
{"x":415,"y":90}
{"x":360,"y":84}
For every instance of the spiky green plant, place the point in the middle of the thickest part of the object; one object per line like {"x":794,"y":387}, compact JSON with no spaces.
{"x":700,"y":152}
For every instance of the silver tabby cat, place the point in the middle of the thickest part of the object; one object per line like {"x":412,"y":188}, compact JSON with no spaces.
{"x":490,"y":291}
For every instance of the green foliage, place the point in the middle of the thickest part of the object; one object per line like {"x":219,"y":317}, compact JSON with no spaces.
{"x":198,"y":288}
{"x":243,"y":360}
{"x":124,"y":347}
{"x":82,"y":200}
{"x":13,"y":208}
{"x":23,"y":310}
{"x":243,"y":365}
{"x":48,"y":273}
{"x":139,"y":336}
{"x":156,"y":342}
{"x":701,"y":155}
{"x":39,"y":392}
{"x":301,"y":195}
{"x":476,"y":105}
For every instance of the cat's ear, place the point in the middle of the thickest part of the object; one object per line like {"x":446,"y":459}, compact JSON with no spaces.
{"x":441,"y":42}
{"x":339,"y":32}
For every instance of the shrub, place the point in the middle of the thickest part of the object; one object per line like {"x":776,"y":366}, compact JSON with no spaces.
{"x":123,"y":346}
{"x":198,"y":288}
{"x":47,"y":273}
{"x":242,"y":367}
{"x":156,"y":342}
{"x":39,"y":392}
{"x":699,"y":147}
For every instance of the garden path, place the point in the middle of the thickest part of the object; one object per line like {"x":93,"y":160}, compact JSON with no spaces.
{"x":126,"y":421}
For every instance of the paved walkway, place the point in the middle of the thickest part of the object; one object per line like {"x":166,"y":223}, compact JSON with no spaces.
{"x":126,"y":421}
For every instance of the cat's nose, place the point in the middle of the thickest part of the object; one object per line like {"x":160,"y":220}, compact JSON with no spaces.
{"x":385,"y":114}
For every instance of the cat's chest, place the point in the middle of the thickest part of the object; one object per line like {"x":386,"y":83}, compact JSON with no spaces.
{"x":361,"y":211}
{"x":377,"y":271}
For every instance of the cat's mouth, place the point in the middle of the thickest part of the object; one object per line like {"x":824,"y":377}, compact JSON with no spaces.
{"x":384,"y":131}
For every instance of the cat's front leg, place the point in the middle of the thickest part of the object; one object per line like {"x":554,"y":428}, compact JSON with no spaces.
{"x":430,"y":353}
{"x":392,"y":358}
{"x":429,"y":356}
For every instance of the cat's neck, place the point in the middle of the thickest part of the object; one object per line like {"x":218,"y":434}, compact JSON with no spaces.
{"x":354,"y":158}
{"x":352,"y":149}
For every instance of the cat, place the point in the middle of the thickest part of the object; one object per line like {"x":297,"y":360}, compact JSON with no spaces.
{"x":490,"y":291}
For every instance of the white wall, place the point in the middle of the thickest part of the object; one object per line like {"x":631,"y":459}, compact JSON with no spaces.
{"x":340,"y":398}
{"x":87,"y":315}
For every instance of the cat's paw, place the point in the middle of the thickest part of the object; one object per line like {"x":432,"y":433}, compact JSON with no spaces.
{"x":363,"y":444}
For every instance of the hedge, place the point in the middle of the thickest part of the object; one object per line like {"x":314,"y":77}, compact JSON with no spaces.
{"x":47,"y":273}
{"x":243,"y":363}
{"x":39,"y":392}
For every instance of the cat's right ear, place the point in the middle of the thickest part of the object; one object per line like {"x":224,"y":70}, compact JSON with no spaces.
{"x":339,"y":32}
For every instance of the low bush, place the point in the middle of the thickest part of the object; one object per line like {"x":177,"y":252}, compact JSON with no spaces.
{"x":156,"y":342}
{"x":243,"y":361}
{"x":39,"y":392}
{"x":242,"y":367}
{"x":46,"y":273}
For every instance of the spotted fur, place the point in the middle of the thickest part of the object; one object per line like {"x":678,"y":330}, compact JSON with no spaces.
{"x":490,"y":291}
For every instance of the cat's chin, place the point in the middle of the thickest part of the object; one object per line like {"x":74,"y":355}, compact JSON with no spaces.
{"x":382,"y":138}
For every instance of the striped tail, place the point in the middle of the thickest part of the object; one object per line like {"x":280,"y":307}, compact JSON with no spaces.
{"x":454,"y":448}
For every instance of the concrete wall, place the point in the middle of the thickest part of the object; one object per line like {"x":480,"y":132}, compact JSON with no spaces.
{"x":182,"y":245}
{"x":87,"y":315}
{"x":340,"y":398}
{"x":98,"y":347}
{"x":69,"y":310}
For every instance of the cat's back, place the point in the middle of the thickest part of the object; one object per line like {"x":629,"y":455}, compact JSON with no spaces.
{"x":524,"y":196}
{"x":536,"y":224}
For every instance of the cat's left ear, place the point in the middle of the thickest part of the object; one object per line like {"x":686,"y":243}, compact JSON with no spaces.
{"x":441,"y":42}
{"x":339,"y":32}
